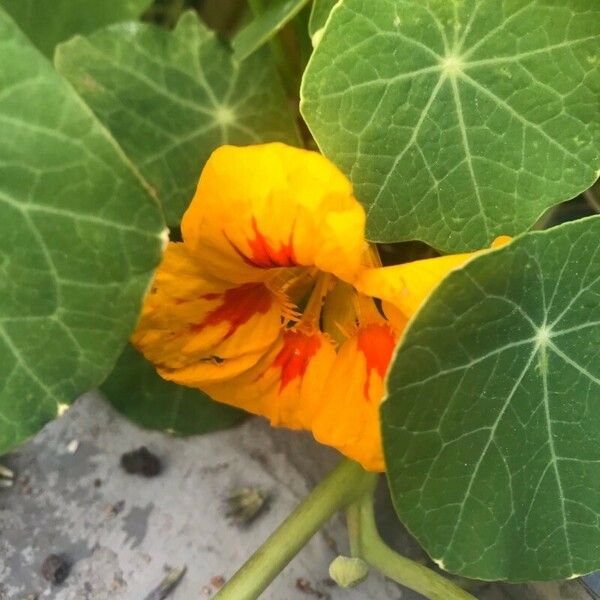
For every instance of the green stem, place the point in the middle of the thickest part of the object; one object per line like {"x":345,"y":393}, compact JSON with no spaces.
{"x":257,"y":6}
{"x":342,"y":486}
{"x":366,"y":543}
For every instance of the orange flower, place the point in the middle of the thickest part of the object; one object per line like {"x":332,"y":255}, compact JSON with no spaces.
{"x":268,"y":304}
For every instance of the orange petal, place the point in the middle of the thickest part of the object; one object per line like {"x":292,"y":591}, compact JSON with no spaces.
{"x":271,"y":205}
{"x":408,"y":285}
{"x":197,"y":330}
{"x":348,"y":418}
{"x":286,"y":385}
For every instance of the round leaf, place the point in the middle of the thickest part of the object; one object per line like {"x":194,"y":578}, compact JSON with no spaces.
{"x":170,"y":98}
{"x":80,"y":235}
{"x":458,"y":121}
{"x":491,"y":428}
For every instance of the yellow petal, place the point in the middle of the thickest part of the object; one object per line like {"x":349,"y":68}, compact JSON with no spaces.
{"x":285,"y":385}
{"x":196,"y":330}
{"x":408,"y":285}
{"x":271,"y":205}
{"x":348,"y":418}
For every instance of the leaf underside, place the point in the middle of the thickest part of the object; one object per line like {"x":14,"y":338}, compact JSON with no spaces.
{"x":491,"y":427}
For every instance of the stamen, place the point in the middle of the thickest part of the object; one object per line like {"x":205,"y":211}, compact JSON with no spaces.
{"x":282,"y":284}
{"x":303,"y":277}
{"x":289,"y":310}
{"x":312,"y":313}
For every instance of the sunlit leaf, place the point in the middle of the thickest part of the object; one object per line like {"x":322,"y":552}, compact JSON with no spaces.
{"x":48,"y":22}
{"x":318,"y":15}
{"x":135,"y":389}
{"x":263,"y":27}
{"x":170,"y":98}
{"x":458,"y":121}
{"x":80,"y":235}
{"x":491,"y":427}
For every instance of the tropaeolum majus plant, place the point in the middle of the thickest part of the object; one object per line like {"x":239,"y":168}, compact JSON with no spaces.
{"x":470,"y":377}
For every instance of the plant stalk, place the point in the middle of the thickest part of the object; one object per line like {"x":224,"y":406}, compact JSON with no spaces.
{"x":287,"y":72}
{"x":341,"y":487}
{"x":366,"y":543}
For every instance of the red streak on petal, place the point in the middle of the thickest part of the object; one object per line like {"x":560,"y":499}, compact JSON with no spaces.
{"x":239,"y":305}
{"x":264,"y":256}
{"x":376,"y":342}
{"x":295,"y":355}
{"x":211,"y":296}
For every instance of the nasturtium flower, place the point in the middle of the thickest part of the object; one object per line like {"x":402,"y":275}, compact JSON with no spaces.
{"x":275,"y":303}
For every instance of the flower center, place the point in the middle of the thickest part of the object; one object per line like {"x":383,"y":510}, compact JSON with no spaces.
{"x":311,"y":315}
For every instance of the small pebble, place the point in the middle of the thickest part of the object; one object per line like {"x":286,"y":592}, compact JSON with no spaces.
{"x":73,"y":446}
{"x":112,"y":510}
{"x":55,"y":569}
{"x":141,"y":462}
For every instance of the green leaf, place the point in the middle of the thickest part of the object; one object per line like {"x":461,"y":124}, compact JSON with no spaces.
{"x":135,"y":389}
{"x":263,"y":27}
{"x":80,"y":235}
{"x":318,"y":17}
{"x":48,"y":22}
{"x":458,"y":121}
{"x":170,"y":98}
{"x":491,"y":428}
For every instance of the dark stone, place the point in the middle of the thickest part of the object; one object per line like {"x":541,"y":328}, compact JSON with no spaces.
{"x":55,"y":569}
{"x":141,"y":462}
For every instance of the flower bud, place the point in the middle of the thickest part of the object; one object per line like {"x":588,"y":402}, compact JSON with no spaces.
{"x":348,"y":572}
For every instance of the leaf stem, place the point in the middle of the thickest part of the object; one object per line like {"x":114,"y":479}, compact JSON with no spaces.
{"x":341,"y":487}
{"x":366,"y":543}
{"x":289,"y":78}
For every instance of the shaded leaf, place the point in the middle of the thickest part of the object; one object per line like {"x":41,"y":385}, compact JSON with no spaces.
{"x":80,"y":235}
{"x":264,"y":26}
{"x":48,"y":22}
{"x":135,"y":389}
{"x":458,"y":121}
{"x":491,"y":427}
{"x":170,"y":98}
